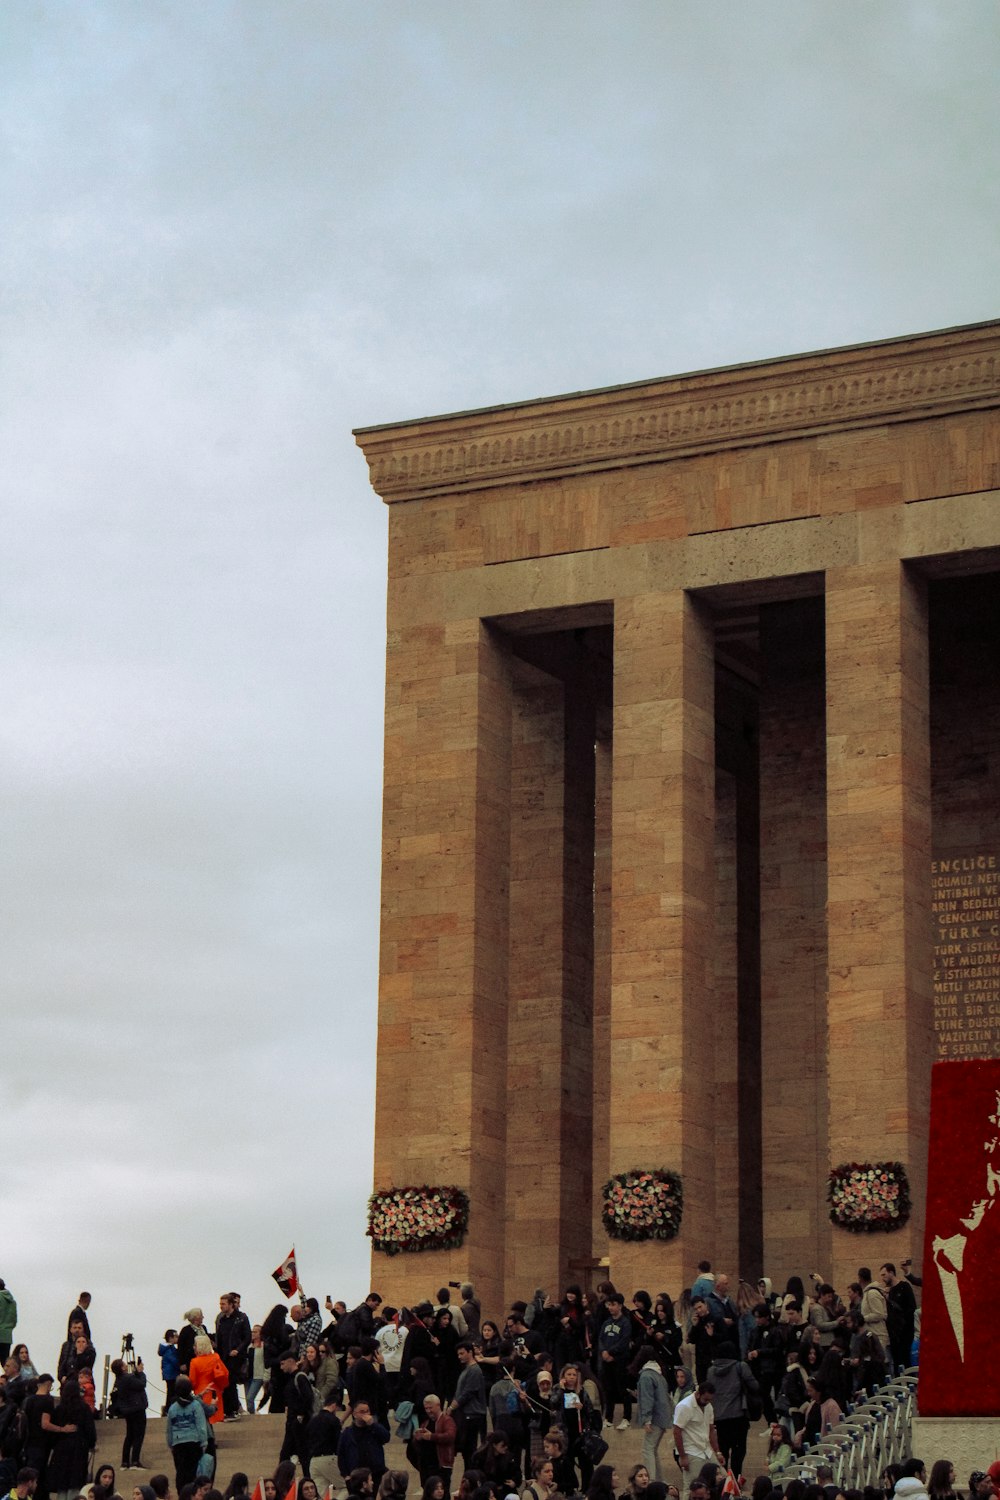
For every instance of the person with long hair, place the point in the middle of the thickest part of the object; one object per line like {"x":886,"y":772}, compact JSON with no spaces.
{"x":604,"y":1483}
{"x":237,"y":1487}
{"x":638,"y":1482}
{"x":779,"y":1450}
{"x":575,"y":1412}
{"x":496,"y":1462}
{"x":257,"y":1371}
{"x":488,"y":1353}
{"x":130,"y":1402}
{"x":666,"y":1337}
{"x":542,"y":1483}
{"x":308,"y":1489}
{"x":822,"y":1413}
{"x":103,"y":1487}
{"x":942,"y":1481}
{"x":571,"y":1340}
{"x":275,"y":1338}
{"x":25,"y":1369}
{"x":434,"y":1489}
{"x":75,"y":1443}
{"x":284,"y":1477}
{"x":444,"y":1337}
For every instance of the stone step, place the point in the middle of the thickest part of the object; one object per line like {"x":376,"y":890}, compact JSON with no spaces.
{"x":252,"y":1444}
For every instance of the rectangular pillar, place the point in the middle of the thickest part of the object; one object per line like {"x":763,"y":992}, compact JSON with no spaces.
{"x":880,"y":1033}
{"x":663,"y":840}
{"x":441,"y":1074}
{"x":550,"y":1054}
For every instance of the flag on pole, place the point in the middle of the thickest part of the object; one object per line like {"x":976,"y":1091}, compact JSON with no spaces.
{"x":292,"y":1493}
{"x":731,"y":1486}
{"x":287,"y":1277}
{"x":258,"y":1490}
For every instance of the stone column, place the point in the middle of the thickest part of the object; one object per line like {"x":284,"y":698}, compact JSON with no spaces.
{"x":662,"y":1037}
{"x":880,"y":1033}
{"x":550,"y":1051}
{"x":441,"y":1077}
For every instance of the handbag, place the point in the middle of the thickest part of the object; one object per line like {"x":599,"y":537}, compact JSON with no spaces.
{"x":206,"y":1465}
{"x":593,"y":1447}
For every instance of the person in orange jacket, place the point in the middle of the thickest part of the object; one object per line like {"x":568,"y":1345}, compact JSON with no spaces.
{"x":209,"y":1377}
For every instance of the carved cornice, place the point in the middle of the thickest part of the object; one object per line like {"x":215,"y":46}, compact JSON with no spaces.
{"x":864,"y":385}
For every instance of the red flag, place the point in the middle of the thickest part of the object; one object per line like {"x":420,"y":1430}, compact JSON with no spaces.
{"x":258,"y":1490}
{"x":730,"y":1487}
{"x":287,"y":1277}
{"x":293,"y":1492}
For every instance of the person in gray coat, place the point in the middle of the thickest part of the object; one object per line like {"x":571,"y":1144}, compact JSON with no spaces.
{"x":656,"y":1410}
{"x":734,"y":1383}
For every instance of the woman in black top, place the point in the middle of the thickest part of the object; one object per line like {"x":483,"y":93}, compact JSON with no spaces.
{"x":603,"y":1484}
{"x":444,"y":1337}
{"x":71,"y":1455}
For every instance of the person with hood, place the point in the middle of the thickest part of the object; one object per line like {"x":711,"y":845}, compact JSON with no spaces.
{"x":8,"y":1320}
{"x":913,"y":1483}
{"x":76,"y":1440}
{"x":734,"y":1383}
{"x":418,"y":1345}
{"x":571,"y":1339}
{"x":656,"y":1409}
{"x":187,"y":1431}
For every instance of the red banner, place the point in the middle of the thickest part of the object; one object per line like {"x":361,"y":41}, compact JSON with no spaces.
{"x":287,"y":1274}
{"x":960,"y":1316}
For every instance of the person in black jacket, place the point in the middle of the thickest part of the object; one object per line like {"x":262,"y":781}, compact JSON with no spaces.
{"x":298,"y":1394}
{"x":276,"y":1336}
{"x":766,"y":1356}
{"x":129,"y":1400}
{"x":232,"y":1339}
{"x":322,"y":1440}
{"x":362,"y":1445}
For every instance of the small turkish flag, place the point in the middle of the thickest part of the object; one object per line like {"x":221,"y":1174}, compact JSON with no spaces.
{"x":287,"y":1274}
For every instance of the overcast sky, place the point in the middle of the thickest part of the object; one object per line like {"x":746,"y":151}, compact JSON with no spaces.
{"x":231,"y":233}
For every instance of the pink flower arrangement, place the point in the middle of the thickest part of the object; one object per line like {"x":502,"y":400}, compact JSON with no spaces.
{"x":643,"y":1205}
{"x":866,"y":1197}
{"x":418,"y":1218}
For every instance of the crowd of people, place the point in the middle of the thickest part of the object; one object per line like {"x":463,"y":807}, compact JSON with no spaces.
{"x":526,"y":1401}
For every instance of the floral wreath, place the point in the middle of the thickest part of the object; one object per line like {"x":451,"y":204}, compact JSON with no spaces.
{"x":867,"y":1197}
{"x":418,"y":1218}
{"x":643,"y":1205}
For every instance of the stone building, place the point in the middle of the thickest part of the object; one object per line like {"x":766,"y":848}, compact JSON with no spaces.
{"x":687,"y":683}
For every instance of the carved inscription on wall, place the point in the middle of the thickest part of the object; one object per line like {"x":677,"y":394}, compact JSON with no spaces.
{"x":965,"y":907}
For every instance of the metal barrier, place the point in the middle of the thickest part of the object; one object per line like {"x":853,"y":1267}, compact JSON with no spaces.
{"x":873,"y":1434}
